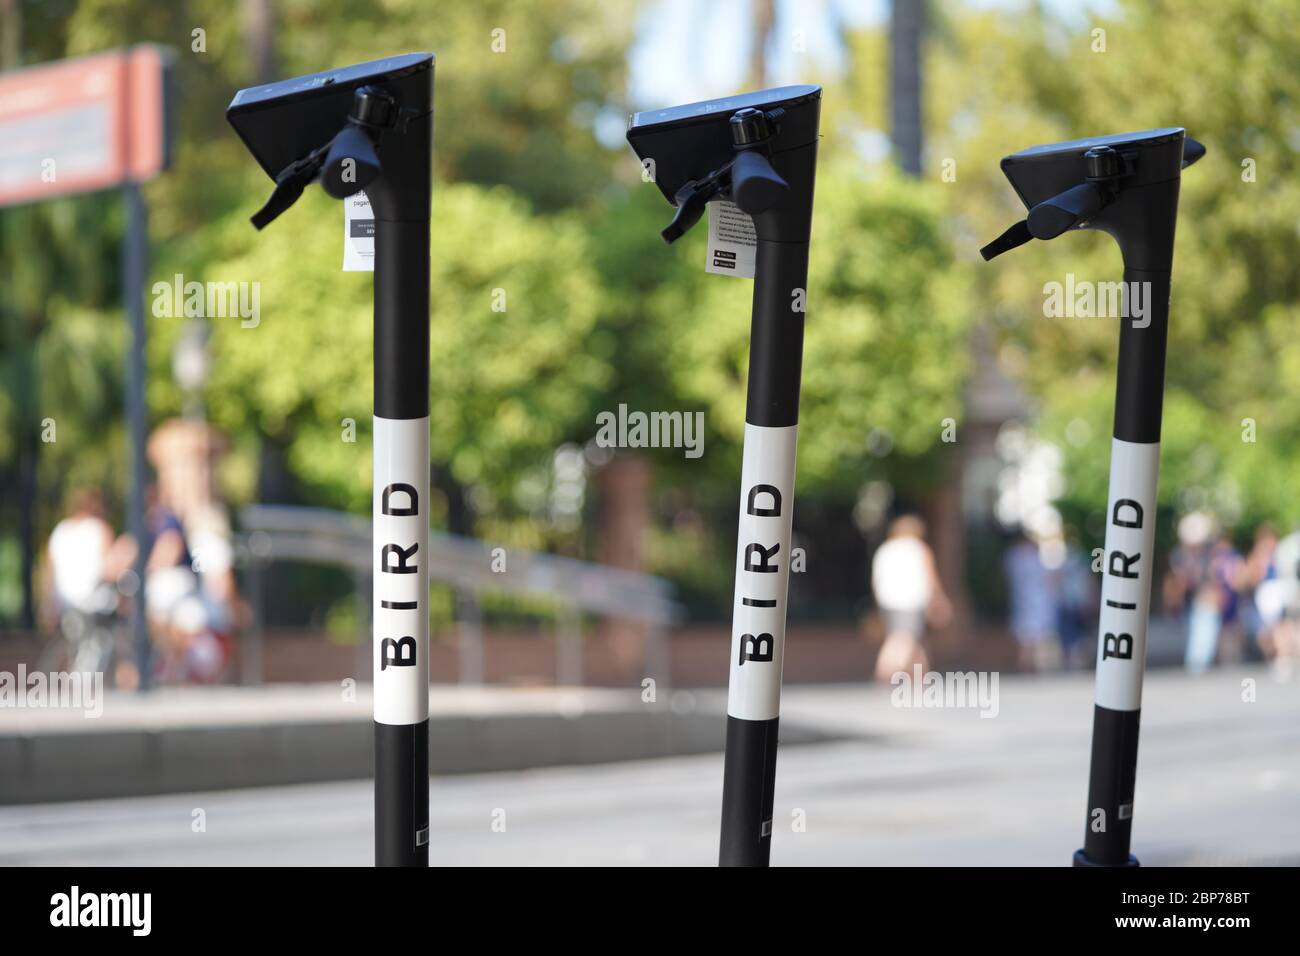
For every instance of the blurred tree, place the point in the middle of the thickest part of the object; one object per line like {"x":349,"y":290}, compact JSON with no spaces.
{"x":906,"y":25}
{"x":520,"y":83}
{"x":513,"y":376}
{"x":60,"y":362}
{"x":520,"y":88}
{"x":1230,"y":72}
{"x":882,"y":309}
{"x":887,"y":301}
{"x":764,"y":22}
{"x":599,"y":312}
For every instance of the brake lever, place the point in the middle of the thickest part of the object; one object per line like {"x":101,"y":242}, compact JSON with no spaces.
{"x":289,"y":186}
{"x":691,"y":200}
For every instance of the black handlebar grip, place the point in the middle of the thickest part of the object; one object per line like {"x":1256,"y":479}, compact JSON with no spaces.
{"x":351,"y":163}
{"x":1192,"y":151}
{"x":755,"y":186}
{"x":1054,"y":216}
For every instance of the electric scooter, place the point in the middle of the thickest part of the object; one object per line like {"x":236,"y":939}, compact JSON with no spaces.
{"x":370,"y":127}
{"x":758,"y":151}
{"x":1126,"y":186}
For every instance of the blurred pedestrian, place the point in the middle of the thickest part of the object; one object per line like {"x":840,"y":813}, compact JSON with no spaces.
{"x":214,"y":611}
{"x":176,"y":613}
{"x":1213,"y":576}
{"x":1257,"y":571}
{"x":1034,"y":606}
{"x":908,"y":593}
{"x":1278,"y":599}
{"x":81,"y":608}
{"x":1076,"y":588}
{"x":1205,"y":574}
{"x":77,"y":557}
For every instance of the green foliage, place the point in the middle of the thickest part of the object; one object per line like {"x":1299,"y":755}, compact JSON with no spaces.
{"x":884,"y":337}
{"x":514,"y":107}
{"x":507,"y":386}
{"x":598,"y":311}
{"x":60,"y":353}
{"x":1230,"y":73}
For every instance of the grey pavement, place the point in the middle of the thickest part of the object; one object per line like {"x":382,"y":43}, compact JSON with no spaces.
{"x":1218,"y":783}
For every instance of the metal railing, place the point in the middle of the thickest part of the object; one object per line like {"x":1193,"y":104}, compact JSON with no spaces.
{"x":275,"y":533}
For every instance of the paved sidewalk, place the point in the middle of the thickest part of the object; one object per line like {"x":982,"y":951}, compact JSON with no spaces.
{"x":1218,"y":783}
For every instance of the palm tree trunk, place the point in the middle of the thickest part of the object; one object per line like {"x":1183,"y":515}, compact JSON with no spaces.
{"x":906,"y":26}
{"x":764,"y":21}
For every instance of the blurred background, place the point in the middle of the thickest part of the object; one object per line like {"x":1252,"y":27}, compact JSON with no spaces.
{"x":940,"y":408}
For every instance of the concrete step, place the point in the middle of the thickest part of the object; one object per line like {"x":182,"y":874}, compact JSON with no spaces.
{"x":186,"y":739}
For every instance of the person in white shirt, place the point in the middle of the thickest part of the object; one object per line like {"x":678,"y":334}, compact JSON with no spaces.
{"x":908,"y":592}
{"x":77,"y":555}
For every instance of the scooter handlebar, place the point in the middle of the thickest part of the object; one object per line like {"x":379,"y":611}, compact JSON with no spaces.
{"x":1054,"y":216}
{"x":1192,"y":151}
{"x":351,"y":163}
{"x":755,"y":186}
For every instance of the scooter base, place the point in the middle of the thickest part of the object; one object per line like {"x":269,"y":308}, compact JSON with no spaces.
{"x":1082,"y":859}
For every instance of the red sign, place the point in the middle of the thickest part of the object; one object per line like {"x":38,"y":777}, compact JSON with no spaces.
{"x":83,"y":124}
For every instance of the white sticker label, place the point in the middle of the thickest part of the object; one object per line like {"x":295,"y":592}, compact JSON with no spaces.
{"x":1126,"y":574}
{"x":762,"y":572}
{"x":732,"y":241}
{"x":401,"y":570}
{"x":358,"y":234}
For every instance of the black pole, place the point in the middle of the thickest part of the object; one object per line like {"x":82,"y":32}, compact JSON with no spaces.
{"x":370,"y":127}
{"x":135,"y":252}
{"x":763,"y":554}
{"x":1127,"y":186}
{"x":1127,"y":575}
{"x":400,"y":200}
{"x":401,"y":536}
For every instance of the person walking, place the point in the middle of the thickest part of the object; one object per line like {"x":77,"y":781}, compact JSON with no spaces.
{"x":1214,"y":604}
{"x":77,"y":556}
{"x":1077,"y":606}
{"x":1034,"y":603}
{"x":908,"y":592}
